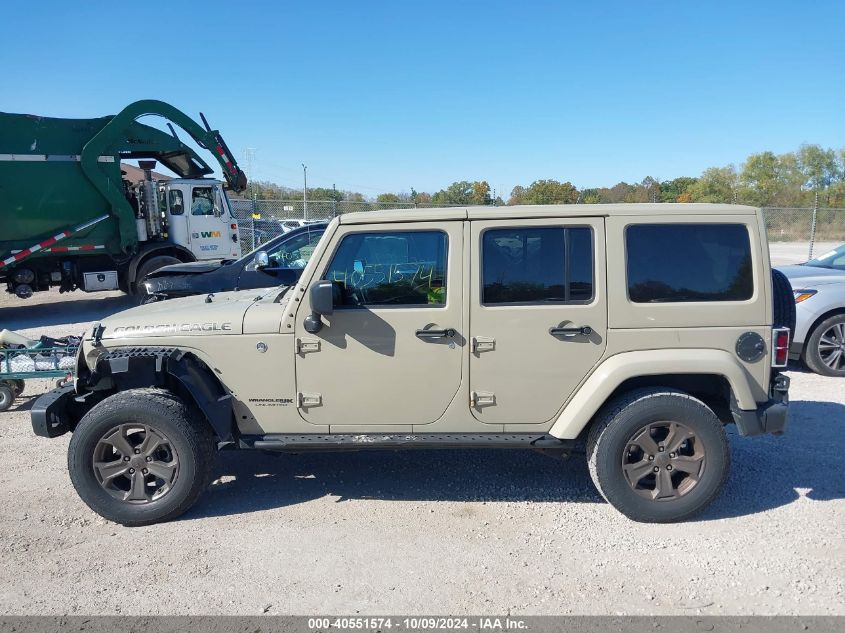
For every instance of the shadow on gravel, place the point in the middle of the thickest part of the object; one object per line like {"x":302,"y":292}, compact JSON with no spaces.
{"x":767,"y":472}
{"x":264,"y":481}
{"x":78,"y":311}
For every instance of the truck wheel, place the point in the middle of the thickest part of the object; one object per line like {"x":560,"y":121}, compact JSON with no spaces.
{"x":17,"y":386}
{"x":824,"y":352}
{"x":141,"y":456}
{"x":7,"y":396}
{"x":658,"y":455}
{"x":149,"y":266}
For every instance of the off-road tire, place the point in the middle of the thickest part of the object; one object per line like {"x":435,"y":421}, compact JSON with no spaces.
{"x":7,"y":396}
{"x":184,"y":427}
{"x":149,"y":266}
{"x":621,"y":418}
{"x":812,"y":353}
{"x":783,"y":302}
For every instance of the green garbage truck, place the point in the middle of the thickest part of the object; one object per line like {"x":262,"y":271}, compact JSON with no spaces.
{"x":69,"y":216}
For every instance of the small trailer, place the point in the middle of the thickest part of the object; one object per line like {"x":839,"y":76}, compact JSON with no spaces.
{"x":23,"y":359}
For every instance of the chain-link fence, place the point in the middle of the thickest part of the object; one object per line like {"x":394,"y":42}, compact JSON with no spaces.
{"x":262,"y":220}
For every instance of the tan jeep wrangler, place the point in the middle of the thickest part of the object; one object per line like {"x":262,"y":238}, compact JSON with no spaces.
{"x":639,"y":330}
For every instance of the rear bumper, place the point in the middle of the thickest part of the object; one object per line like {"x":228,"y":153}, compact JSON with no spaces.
{"x":49,"y":413}
{"x":769,"y":417}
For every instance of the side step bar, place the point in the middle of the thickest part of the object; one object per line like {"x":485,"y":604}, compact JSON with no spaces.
{"x":312,"y":442}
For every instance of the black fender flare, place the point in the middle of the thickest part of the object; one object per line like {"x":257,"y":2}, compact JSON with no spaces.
{"x":170,"y":368}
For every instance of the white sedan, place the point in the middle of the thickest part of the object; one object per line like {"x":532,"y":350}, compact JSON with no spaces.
{"x":819,"y":287}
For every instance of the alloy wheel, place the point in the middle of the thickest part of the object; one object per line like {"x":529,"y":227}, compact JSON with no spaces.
{"x":832,"y":347}
{"x":663,"y":461}
{"x":135,"y":463}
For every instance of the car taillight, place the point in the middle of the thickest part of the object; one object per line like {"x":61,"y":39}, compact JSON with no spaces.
{"x":780,"y":347}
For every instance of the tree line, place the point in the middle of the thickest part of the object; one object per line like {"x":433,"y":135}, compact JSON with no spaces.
{"x":794,"y":179}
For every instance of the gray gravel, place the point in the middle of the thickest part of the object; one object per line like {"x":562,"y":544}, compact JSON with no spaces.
{"x":425,"y":531}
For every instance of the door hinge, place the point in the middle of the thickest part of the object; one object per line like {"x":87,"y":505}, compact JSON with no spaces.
{"x":482,"y":398}
{"x":305,"y":345}
{"x":305,"y":400}
{"x":483,"y":344}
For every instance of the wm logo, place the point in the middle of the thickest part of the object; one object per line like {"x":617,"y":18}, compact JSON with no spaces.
{"x":205,"y":234}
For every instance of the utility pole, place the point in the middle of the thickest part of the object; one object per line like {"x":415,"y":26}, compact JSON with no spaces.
{"x":304,"y":192}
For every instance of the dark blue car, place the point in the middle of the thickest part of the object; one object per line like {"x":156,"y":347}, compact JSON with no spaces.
{"x":287,"y":256}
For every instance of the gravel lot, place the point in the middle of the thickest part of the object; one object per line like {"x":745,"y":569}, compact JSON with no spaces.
{"x":424,"y":531}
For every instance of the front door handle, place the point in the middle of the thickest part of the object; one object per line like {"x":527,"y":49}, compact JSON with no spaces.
{"x":433,"y":334}
{"x":583,"y":330}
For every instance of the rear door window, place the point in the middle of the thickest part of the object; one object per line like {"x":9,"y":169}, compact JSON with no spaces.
{"x":677,"y":263}
{"x":537,"y":265}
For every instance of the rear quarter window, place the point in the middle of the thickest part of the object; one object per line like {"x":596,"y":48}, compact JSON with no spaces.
{"x":678,"y":263}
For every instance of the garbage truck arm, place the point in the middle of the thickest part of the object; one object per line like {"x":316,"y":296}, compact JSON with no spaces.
{"x":122,"y":136}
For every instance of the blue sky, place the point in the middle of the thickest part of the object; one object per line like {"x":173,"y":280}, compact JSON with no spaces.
{"x":383,"y":96}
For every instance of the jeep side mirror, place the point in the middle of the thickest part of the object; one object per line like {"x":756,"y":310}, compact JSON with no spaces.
{"x":322,"y":302}
{"x":262,"y":259}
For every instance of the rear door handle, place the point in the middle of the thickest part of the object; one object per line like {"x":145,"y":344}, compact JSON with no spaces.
{"x":583,"y":330}
{"x":432,"y":334}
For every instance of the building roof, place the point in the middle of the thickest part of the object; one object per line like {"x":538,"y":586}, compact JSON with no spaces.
{"x":543,"y":211}
{"x":136,"y":174}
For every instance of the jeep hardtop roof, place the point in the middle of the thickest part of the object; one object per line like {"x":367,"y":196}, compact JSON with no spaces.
{"x":543,"y":211}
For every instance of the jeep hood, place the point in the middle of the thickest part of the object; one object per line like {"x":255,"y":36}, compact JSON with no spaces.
{"x":223,"y":314}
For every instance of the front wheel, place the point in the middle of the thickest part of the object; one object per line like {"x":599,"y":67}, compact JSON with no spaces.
{"x":824,"y":352}
{"x":150,"y":266}
{"x":141,"y":456}
{"x":658,"y":455}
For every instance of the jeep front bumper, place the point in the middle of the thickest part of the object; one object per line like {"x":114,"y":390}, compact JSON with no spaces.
{"x":769,"y":417}
{"x":50,"y":412}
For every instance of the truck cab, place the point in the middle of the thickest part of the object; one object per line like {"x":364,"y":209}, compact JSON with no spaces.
{"x":199,"y":217}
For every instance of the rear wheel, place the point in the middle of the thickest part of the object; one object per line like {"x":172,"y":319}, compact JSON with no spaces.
{"x":824,"y":352}
{"x":17,"y":386}
{"x":149,"y":266}
{"x":141,"y":456}
{"x":658,"y":455}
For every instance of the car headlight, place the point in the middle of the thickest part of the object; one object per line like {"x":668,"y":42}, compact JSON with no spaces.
{"x":803,"y":294}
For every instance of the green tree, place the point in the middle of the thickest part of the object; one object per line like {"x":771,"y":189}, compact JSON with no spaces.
{"x":819,"y":168}
{"x":387,"y":198}
{"x":463,"y":192}
{"x":677,"y":190}
{"x":545,"y":192}
{"x":716,"y":184}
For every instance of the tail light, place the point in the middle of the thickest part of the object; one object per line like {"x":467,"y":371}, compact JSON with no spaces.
{"x":780,"y":346}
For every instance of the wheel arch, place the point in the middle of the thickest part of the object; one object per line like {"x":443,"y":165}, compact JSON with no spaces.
{"x":713,"y":376}
{"x":178,"y":371}
{"x":818,"y":321}
{"x":148,"y":251}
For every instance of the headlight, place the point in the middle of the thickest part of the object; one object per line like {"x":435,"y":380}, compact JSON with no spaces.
{"x":803,"y":294}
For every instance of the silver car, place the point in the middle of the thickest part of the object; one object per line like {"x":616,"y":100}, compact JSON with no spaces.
{"x":819,"y":287}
